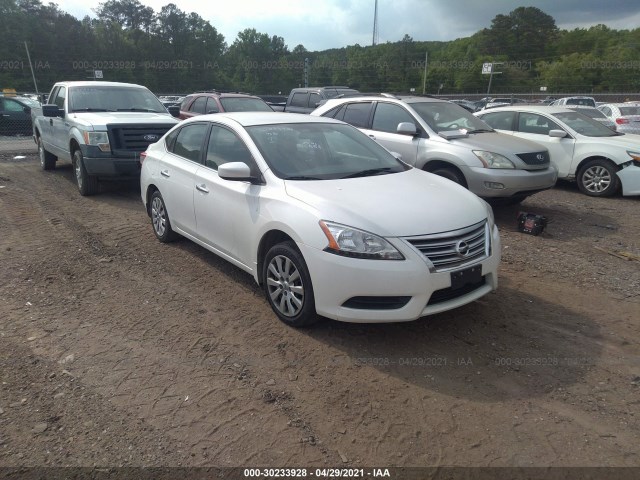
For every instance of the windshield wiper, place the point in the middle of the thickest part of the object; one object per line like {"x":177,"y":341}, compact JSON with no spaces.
{"x":369,"y":173}
{"x":481,"y":130}
{"x":301,"y":177}
{"x":136,"y":110}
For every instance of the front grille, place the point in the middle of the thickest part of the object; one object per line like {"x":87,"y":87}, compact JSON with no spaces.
{"x":448,"y":293}
{"x":456,"y":248}
{"x":535,"y":159}
{"x":131,"y":137}
{"x":376,"y":303}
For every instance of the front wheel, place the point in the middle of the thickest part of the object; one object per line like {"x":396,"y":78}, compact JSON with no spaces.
{"x":47,"y":160}
{"x":450,"y":174}
{"x":287,"y":285}
{"x":598,"y":178}
{"x":87,"y":184}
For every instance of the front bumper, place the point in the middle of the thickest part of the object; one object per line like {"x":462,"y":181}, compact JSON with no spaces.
{"x":106,"y":164}
{"x":337,"y":279}
{"x":484,"y":181}
{"x":630,"y":179}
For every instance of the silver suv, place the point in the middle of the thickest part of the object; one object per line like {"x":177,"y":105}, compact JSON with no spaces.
{"x":443,"y":138}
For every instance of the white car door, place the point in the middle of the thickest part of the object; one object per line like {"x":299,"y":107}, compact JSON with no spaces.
{"x":226,"y":210}
{"x":177,"y":175}
{"x":536,"y":127}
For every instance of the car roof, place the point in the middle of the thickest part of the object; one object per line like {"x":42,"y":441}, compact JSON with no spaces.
{"x":221,"y":95}
{"x":84,"y":83}
{"x":385,"y":97}
{"x":248,"y":119}
{"x":548,"y":109}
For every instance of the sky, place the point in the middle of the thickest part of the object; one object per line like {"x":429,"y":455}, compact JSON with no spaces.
{"x":325,"y":24}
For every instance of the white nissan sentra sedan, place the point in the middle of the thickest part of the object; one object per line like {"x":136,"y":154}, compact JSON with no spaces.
{"x":326,"y":220}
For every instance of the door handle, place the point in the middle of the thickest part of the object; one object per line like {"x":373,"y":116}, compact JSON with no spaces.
{"x":51,"y":121}
{"x":7,"y":116}
{"x":202,"y":188}
{"x":165,"y":173}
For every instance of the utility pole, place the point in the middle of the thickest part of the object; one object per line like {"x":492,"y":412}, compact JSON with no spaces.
{"x":375,"y":24}
{"x":306,"y":72}
{"x":424,"y":80}
{"x":33,"y":75}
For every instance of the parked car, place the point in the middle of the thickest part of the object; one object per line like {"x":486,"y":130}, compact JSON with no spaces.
{"x":583,"y":149}
{"x":577,"y":100}
{"x":466,"y":104}
{"x":626,"y":116}
{"x":321,"y":216}
{"x":215,"y":102}
{"x":15,"y":115}
{"x":306,"y":100}
{"x":596,"y":115}
{"x":102,"y":127}
{"x":443,"y":138}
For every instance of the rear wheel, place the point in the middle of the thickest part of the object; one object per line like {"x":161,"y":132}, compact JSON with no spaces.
{"x":87,"y":184}
{"x":160,"y":219}
{"x":287,"y":285}
{"x":47,"y":160}
{"x":598,"y":178}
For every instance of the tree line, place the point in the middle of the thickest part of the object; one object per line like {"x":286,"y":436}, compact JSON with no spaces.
{"x":175,"y":51}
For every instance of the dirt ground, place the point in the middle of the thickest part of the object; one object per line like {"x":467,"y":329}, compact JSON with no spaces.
{"x":117,"y":350}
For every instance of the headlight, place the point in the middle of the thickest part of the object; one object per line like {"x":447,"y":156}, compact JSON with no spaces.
{"x":493,"y":160}
{"x":635,"y":156}
{"x":352,"y":242}
{"x":490,"y":215}
{"x":99,"y":139}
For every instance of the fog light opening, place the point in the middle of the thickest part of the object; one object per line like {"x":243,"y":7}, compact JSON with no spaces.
{"x":494,"y":185}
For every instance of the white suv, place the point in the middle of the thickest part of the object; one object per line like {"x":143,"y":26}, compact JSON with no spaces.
{"x":443,"y":138}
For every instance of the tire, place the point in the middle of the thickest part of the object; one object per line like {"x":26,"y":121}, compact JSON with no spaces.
{"x":598,"y":178}
{"x":47,"y":160}
{"x":287,"y":285}
{"x":87,"y":184}
{"x":160,"y":219}
{"x":450,"y":174}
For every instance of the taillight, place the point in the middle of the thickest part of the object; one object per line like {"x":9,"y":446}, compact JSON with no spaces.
{"x":143,"y":156}
{"x":621,"y":121}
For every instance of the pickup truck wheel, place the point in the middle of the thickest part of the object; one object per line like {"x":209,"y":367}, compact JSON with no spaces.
{"x":598,"y":178}
{"x":87,"y":184}
{"x":47,"y":160}
{"x":160,"y":219}
{"x":287,"y":285}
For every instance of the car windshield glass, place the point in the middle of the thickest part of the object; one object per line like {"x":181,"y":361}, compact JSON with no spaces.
{"x":331,"y":93}
{"x":240,"y":104}
{"x":585,"y":125}
{"x":445,"y":116}
{"x":29,"y":102}
{"x":321,"y":151}
{"x":105,"y":98}
{"x":630,"y":110}
{"x":581,"y":101}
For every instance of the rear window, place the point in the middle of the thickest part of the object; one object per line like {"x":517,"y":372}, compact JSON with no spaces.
{"x":244,"y":104}
{"x":630,"y":110}
{"x":589,"y":102}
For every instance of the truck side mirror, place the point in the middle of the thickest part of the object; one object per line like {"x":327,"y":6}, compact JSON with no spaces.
{"x":174,"y":110}
{"x":52,"y":111}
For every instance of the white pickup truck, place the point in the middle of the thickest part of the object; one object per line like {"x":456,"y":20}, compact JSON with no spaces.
{"x":101,"y":127}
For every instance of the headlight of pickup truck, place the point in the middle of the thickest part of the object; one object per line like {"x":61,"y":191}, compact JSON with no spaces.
{"x":493,"y":160}
{"x":98,"y":139}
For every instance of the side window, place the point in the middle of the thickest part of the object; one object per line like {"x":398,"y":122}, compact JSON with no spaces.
{"x":224,"y":147}
{"x":60,"y":97}
{"x":299,"y":99}
{"x":199,"y":105}
{"x":170,"y":140}
{"x":12,"y":106}
{"x":357,"y":114}
{"x":185,"y":103}
{"x":387,"y":117}
{"x":189,"y":141}
{"x":212,"y":105}
{"x":53,"y":95}
{"x":533,"y":123}
{"x":314,"y":98}
{"x":606,"y":111}
{"x":500,"y":120}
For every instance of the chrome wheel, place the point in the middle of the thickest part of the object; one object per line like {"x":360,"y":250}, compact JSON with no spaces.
{"x":158,"y":216}
{"x":285,"y":287}
{"x":78,"y":171}
{"x":41,"y":153}
{"x":596,"y":179}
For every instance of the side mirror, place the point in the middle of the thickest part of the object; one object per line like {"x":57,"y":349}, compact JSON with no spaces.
{"x":557,"y":133}
{"x":396,"y":155}
{"x":174,"y":110}
{"x":407,"y":128}
{"x":237,"y":171}
{"x":52,"y":111}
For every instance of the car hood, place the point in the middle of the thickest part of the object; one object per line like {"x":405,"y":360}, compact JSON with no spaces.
{"x":410,"y":203}
{"x":501,"y":143}
{"x":628,"y":141}
{"x":102,"y":119}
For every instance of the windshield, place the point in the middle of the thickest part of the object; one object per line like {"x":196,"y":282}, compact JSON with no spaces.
{"x":321,"y":151}
{"x":589,"y":102}
{"x":446,"y":116}
{"x":630,"y":110}
{"x":28,"y":101}
{"x":584,"y":125}
{"x":113,"y":99}
{"x":243,"y":104}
